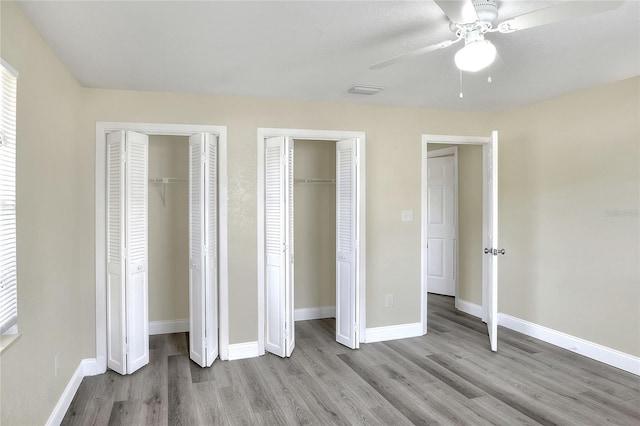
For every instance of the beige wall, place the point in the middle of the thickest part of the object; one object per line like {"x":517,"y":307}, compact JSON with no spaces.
{"x":564,"y":164}
{"x":54,"y":218}
{"x":469,"y":220}
{"x":168,"y":229}
{"x":315,"y":225}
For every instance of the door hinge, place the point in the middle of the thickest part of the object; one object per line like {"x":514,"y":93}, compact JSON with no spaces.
{"x":355,"y":327}
{"x":125,"y":348}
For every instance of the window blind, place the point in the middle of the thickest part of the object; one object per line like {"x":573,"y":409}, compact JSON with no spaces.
{"x":8,"y":273}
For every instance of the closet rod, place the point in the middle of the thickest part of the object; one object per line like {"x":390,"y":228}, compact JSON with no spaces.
{"x":314,"y":180}
{"x":164,"y":181}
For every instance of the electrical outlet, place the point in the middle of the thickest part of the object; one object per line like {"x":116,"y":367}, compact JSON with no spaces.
{"x":388,"y":301}
{"x":56,"y":362}
{"x":407,"y":215}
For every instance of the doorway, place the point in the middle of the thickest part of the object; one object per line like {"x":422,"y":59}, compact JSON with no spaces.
{"x":127,"y":181}
{"x":442,"y":220}
{"x":314,"y":211}
{"x":276,"y":318}
{"x":489,"y":251}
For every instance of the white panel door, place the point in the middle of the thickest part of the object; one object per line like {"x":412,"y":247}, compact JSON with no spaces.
{"x":490,"y":263}
{"x":346,"y":243}
{"x":276,"y":215}
{"x":197,"y":279}
{"x":441,"y":226}
{"x":137,"y":299}
{"x":211,"y":247}
{"x":116,"y":316}
{"x":289,"y":286}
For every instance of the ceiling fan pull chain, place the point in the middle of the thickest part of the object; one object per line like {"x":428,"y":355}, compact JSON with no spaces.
{"x":489,"y":80}
{"x":461,"y":94}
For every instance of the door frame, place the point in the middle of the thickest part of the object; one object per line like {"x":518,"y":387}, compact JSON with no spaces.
{"x":157,"y":129}
{"x":483,"y":141}
{"x":437,"y":153}
{"x":325,"y":135}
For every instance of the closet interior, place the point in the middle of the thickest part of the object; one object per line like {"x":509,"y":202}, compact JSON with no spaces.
{"x":314,"y":229}
{"x":168,"y":232}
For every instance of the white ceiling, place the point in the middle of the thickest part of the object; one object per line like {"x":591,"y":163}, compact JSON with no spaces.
{"x":316,"y":50}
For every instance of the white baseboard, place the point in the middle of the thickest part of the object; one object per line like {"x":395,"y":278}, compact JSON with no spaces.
{"x":589,"y":349}
{"x":87,"y":367}
{"x":243,"y":350}
{"x":392,"y":332}
{"x":304,"y":314}
{"x":166,"y":327}
{"x":470,"y":308}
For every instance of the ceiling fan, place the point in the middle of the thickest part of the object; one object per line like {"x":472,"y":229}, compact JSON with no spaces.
{"x":470,"y":20}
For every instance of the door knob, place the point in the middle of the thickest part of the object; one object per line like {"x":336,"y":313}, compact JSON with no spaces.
{"x":494,"y":252}
{"x":139,"y":267}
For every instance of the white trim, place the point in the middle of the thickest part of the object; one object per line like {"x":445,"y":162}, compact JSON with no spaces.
{"x":167,"y":327}
{"x":393,"y":332}
{"x":86,"y":367}
{"x":580,"y":346}
{"x":469,"y":308}
{"x":243,"y":350}
{"x":102,"y":128}
{"x":328,"y":135}
{"x":304,"y":314}
{"x":445,"y":139}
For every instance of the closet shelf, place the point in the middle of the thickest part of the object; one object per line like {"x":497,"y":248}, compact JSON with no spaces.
{"x":314,"y":180}
{"x":164,"y":181}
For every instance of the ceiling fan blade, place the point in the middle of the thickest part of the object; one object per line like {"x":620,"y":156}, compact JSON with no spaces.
{"x":458,"y":11}
{"x":413,"y":54}
{"x":561,"y":12}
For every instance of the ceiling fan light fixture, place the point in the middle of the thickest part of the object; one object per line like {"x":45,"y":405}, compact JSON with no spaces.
{"x":475,"y":55}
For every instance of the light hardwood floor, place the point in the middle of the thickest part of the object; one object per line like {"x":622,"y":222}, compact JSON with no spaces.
{"x":448,"y":377}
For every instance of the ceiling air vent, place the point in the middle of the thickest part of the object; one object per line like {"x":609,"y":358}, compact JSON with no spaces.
{"x":359,"y":89}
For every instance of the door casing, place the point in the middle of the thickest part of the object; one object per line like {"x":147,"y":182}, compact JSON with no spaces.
{"x":328,"y":135}
{"x":102,"y":129}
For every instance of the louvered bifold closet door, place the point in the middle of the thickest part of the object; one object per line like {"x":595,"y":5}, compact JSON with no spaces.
{"x":116,"y":317}
{"x":211,"y":244}
{"x":8,"y":266}
{"x":137,"y":289}
{"x":197,"y":296}
{"x":346,"y":250}
{"x":289,"y":296}
{"x":275,"y":242}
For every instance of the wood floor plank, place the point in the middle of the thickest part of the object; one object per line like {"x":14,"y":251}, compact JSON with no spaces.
{"x":181,"y":408}
{"x":126,"y":413}
{"x":412,"y":412}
